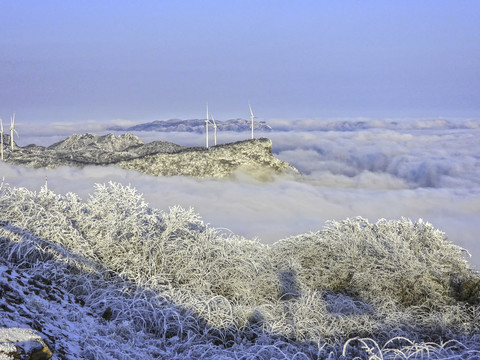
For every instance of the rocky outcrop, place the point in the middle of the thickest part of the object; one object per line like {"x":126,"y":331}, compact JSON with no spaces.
{"x":18,"y":343}
{"x":158,"y":158}
{"x":251,"y":156}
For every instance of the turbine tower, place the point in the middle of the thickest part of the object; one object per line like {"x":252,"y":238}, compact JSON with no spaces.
{"x":252,"y":117}
{"x":206,"y":128}
{"x":12,"y":129}
{"x":215,"y":130}
{"x":1,"y":139}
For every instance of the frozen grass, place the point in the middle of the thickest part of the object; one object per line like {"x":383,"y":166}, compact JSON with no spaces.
{"x":173,"y":287}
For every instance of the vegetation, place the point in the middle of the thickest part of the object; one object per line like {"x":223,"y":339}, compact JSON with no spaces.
{"x":167,"y":285}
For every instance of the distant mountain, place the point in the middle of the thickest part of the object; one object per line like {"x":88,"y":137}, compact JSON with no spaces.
{"x":160,"y":158}
{"x":195,"y":125}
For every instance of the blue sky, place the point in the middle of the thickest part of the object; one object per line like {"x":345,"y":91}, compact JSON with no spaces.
{"x":142,"y":61}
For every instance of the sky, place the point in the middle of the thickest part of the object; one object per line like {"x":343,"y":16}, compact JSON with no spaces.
{"x":78,"y":61}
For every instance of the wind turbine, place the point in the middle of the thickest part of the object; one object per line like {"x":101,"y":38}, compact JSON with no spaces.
{"x":252,"y":117}
{"x":12,"y":129}
{"x":206,"y":128}
{"x":1,"y":138}
{"x":215,"y":130}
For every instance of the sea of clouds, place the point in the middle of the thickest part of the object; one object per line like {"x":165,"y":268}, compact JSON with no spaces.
{"x":375,"y":169}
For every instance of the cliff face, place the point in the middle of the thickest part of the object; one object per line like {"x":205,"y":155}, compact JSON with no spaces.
{"x":158,"y":158}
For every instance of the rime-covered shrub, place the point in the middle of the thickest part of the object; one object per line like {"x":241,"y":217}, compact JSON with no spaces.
{"x":116,"y":228}
{"x":409,"y":263}
{"x":182,"y":289}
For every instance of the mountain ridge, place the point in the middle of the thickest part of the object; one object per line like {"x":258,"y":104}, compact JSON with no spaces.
{"x":195,"y":125}
{"x":159,"y":158}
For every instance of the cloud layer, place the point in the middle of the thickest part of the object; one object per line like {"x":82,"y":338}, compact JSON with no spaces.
{"x":375,"y":172}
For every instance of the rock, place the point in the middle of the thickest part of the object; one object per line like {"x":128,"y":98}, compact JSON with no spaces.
{"x":18,"y":343}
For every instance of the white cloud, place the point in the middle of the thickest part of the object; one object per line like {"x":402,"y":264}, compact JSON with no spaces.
{"x":420,"y":158}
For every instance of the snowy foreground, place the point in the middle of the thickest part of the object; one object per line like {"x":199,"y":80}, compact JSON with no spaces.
{"x":111,"y":278}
